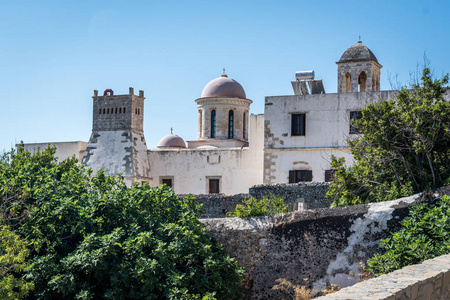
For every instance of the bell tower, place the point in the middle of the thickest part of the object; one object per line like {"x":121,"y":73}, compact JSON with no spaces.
{"x":358,"y":70}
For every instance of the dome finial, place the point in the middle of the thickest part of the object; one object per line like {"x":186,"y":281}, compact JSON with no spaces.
{"x":223,"y":75}
{"x":359,"y":40}
{"x":171,"y":130}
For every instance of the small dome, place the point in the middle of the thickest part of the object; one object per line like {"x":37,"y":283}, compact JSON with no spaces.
{"x":171,"y":141}
{"x":357,"y":52}
{"x":223,"y":87}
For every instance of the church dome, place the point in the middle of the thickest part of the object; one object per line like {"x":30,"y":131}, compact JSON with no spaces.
{"x":171,"y":141}
{"x":223,"y":87}
{"x":357,"y":52}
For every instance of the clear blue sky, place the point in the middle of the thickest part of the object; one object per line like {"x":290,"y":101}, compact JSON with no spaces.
{"x":53,"y":54}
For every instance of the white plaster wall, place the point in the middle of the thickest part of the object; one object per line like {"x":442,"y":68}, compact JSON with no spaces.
{"x":63,"y":149}
{"x":317,"y":160}
{"x":237,"y":168}
{"x":326,"y":132}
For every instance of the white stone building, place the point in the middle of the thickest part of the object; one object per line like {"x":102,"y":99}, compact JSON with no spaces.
{"x":292,"y":142}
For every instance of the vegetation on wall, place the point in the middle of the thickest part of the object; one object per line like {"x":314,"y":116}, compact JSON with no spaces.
{"x":425,"y":234}
{"x":267,"y":206}
{"x":82,"y":237}
{"x":404,"y":147}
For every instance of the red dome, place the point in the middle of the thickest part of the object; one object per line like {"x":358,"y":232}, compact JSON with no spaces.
{"x":223,"y":87}
{"x":171,"y":141}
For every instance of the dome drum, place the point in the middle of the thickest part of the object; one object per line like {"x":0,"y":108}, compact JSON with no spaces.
{"x":223,"y":111}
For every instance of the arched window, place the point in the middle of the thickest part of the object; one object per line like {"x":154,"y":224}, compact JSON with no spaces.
{"x":200,"y":123}
{"x":107,"y":111}
{"x":124,"y":110}
{"x":230,"y":124}
{"x":362,"y":81}
{"x":104,"y":111}
{"x":346,"y":83}
{"x":139,"y":111}
{"x":243,"y":126}
{"x":99,"y":111}
{"x":116,"y":110}
{"x":120,"y":110}
{"x":213,"y":123}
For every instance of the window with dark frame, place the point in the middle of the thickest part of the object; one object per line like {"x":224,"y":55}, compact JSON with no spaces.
{"x":300,"y":176}
{"x":329,"y":175}
{"x":298,"y":124}
{"x":243,"y":126}
{"x":354,"y":116}
{"x":213,"y":186}
{"x":213,"y":123}
{"x":230,"y":124}
{"x":167,"y":181}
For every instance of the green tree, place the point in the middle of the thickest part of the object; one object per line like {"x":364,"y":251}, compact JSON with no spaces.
{"x":425,"y":234}
{"x":253,"y":207}
{"x":404,"y":147}
{"x":13,"y":253}
{"x":95,"y":238}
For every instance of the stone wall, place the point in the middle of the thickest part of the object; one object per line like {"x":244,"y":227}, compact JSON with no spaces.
{"x":217,"y":205}
{"x":325,"y":246}
{"x":310,"y":195}
{"x":429,"y":280}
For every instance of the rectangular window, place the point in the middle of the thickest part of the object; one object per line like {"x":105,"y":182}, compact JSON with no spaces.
{"x":167,"y":182}
{"x":213,"y":186}
{"x":354,"y":116}
{"x":298,"y":124}
{"x":329,"y":175}
{"x":300,"y":176}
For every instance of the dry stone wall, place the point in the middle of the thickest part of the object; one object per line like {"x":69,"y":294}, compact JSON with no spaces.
{"x":325,"y":246}
{"x":310,"y":195}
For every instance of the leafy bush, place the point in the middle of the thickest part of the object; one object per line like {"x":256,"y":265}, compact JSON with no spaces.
{"x":425,"y":234}
{"x":404,"y":147}
{"x":13,"y":253}
{"x":95,"y":238}
{"x":253,"y":207}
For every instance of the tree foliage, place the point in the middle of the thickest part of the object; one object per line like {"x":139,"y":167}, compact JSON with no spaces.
{"x":267,"y":206}
{"x":13,"y":253}
{"x":425,"y":234}
{"x":404,"y":147}
{"x":95,"y":238}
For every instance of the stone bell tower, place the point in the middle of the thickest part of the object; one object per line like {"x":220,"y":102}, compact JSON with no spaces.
{"x":358,"y":70}
{"x":117,"y":144}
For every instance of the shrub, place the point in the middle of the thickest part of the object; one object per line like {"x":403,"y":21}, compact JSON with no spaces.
{"x":425,"y":234}
{"x":96,"y":238}
{"x":253,"y":207}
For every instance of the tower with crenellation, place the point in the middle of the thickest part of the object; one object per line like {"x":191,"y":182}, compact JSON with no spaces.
{"x":117,"y":143}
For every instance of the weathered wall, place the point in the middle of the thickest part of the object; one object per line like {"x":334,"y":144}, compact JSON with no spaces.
{"x":325,"y":246}
{"x":311,"y":195}
{"x":326,"y":131}
{"x":63,"y":149}
{"x":237,"y":168}
{"x":429,"y":280}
